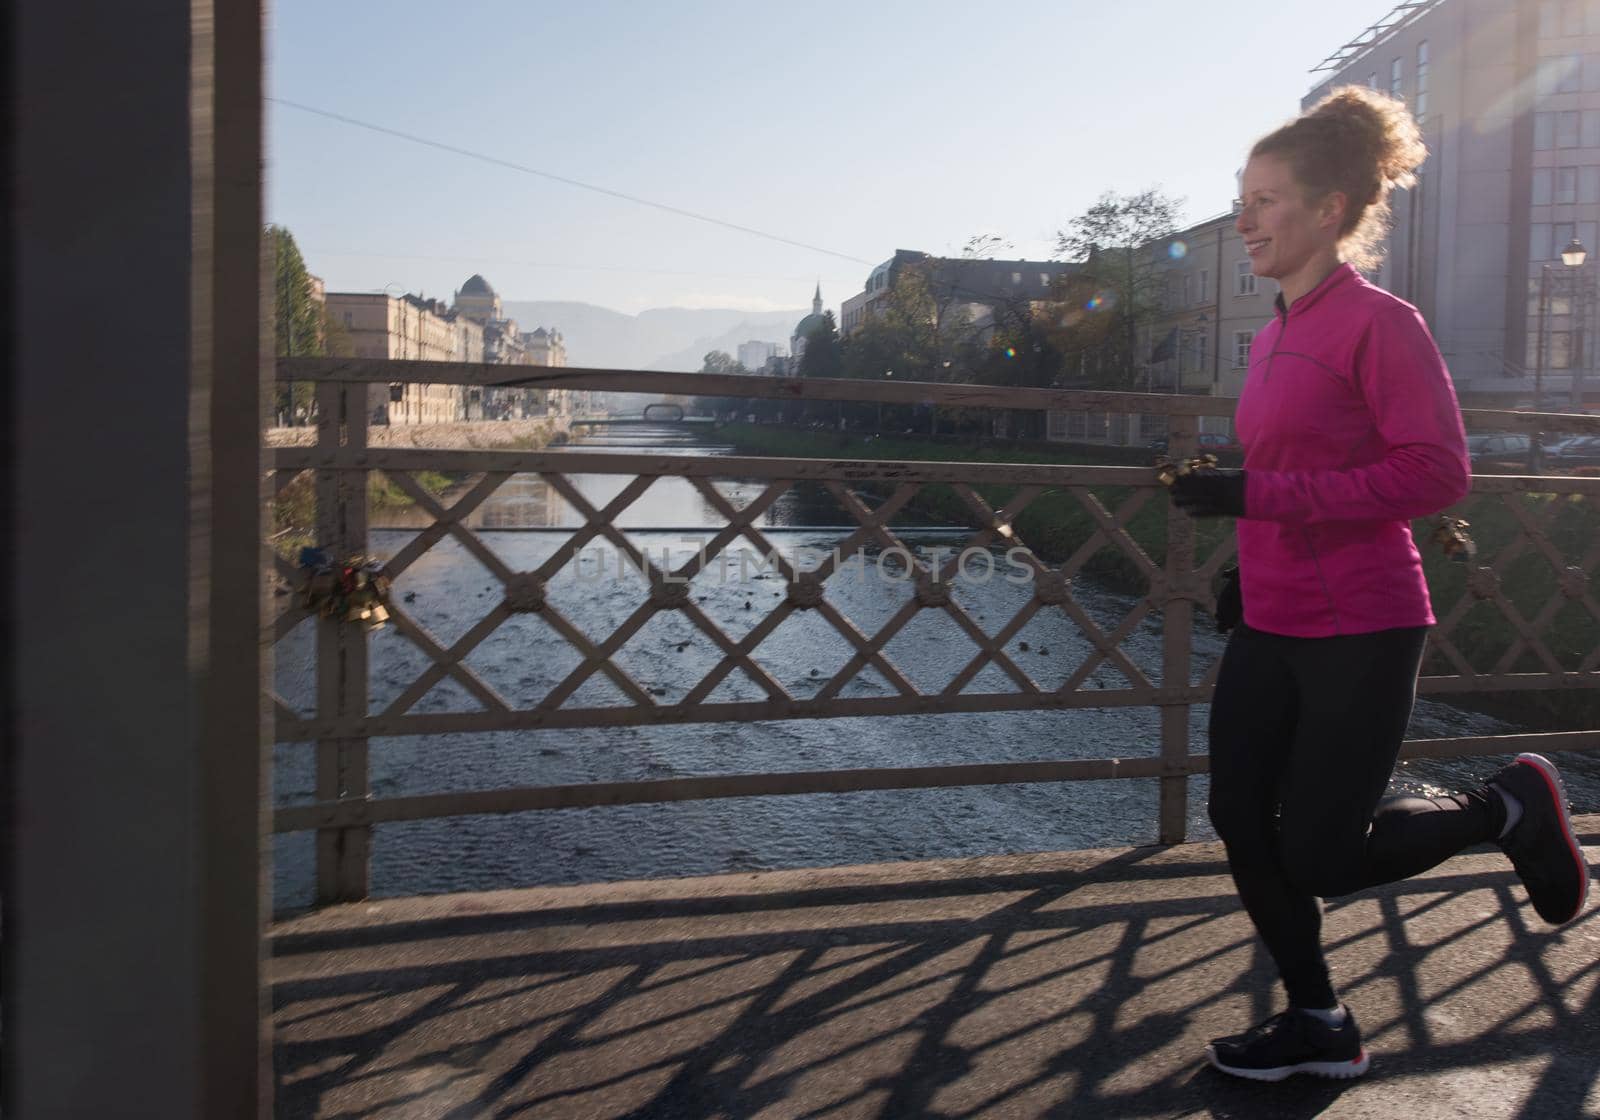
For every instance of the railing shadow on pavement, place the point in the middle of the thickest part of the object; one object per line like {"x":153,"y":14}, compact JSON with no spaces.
{"x":1074,"y":983}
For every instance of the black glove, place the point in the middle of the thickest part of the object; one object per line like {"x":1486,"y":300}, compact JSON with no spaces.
{"x":1210,"y":492}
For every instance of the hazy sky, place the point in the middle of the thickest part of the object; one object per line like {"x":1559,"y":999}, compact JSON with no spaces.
{"x":857,"y":128}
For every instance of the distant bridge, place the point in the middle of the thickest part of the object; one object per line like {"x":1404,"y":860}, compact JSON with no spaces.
{"x":654,"y":415}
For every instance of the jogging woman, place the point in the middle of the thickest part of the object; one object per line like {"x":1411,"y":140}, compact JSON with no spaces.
{"x":1351,"y":429}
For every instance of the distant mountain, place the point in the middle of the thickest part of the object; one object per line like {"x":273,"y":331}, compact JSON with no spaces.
{"x":668,"y":338}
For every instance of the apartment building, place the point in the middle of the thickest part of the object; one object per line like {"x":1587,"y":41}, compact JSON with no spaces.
{"x":1210,"y":304}
{"x":1507,"y":93}
{"x":977,"y":288}
{"x":1210,"y":307}
{"x":754,"y":355}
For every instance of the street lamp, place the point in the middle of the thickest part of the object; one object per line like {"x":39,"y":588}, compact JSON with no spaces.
{"x":1572,"y":258}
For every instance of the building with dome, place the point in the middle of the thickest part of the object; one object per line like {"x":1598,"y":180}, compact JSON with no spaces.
{"x":477,"y":300}
{"x":816,"y":321}
{"x":505,"y":344}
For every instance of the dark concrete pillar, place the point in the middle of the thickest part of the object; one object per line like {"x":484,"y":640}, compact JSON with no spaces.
{"x":134,"y":760}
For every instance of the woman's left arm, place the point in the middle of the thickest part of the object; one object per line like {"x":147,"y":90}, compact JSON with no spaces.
{"x":1424,"y":467}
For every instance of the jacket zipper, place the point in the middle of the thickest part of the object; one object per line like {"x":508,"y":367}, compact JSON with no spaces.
{"x":1305,"y":532}
{"x":1283,"y":326}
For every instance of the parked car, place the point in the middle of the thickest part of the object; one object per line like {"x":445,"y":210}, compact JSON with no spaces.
{"x":1506,"y":452}
{"x":1208,"y":441}
{"x":1575,"y":451}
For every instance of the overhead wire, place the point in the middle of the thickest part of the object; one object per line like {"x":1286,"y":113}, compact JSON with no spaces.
{"x":526,"y":170}
{"x":326,"y":252}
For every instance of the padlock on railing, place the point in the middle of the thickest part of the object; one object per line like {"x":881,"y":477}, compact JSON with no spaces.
{"x":1169,"y":471}
{"x":355,"y":591}
{"x":1453,"y":539}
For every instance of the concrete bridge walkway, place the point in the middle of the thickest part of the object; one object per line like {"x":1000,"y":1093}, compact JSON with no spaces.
{"x":1079,"y":984}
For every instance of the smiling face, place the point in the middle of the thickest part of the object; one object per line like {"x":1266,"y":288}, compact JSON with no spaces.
{"x":1288,"y":238}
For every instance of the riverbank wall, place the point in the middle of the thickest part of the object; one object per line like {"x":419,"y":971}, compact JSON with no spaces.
{"x":532,"y":434}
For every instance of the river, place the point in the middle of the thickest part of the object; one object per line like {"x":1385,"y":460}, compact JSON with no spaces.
{"x":448,"y":590}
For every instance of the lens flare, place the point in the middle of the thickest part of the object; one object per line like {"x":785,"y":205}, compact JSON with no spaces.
{"x":1094,"y":303}
{"x":1177,"y":250}
{"x":1011,"y":351}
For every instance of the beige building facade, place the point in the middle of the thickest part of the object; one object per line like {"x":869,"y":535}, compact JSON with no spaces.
{"x":403,"y":328}
{"x":1210,"y":307}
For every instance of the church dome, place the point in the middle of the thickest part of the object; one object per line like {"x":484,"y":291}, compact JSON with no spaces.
{"x":476,"y":285}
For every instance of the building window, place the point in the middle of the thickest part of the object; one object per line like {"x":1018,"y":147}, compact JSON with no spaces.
{"x":1559,"y":74}
{"x":1244,"y":281}
{"x":1558,"y":350}
{"x":1200,"y":340}
{"x":1543,"y":185}
{"x":1152,"y":425}
{"x":1567,"y":128}
{"x":1561,"y":235}
{"x":1241,"y":348}
{"x":1544,"y":131}
{"x":1539,"y":241}
{"x":1422,"y":78}
{"x":1044,"y":279}
{"x":1205,"y":283}
{"x":1077,"y":425}
{"x":1188,"y":290}
{"x":348,"y":315}
{"x":1566,"y":186}
{"x":1016,"y":279}
{"x":1560,"y":19}
{"x":1058,"y":424}
{"x":1372,"y":80}
{"x":1397,"y":70}
{"x":1589,"y":184}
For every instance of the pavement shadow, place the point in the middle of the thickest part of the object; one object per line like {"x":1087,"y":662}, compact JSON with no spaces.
{"x":1086,"y":992}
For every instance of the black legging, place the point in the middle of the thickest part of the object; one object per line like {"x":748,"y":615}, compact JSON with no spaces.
{"x":1304,"y":737}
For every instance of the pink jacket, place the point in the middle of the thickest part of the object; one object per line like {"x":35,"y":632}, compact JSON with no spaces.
{"x":1351,"y":429}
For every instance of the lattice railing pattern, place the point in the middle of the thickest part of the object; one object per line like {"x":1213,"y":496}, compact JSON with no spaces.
{"x":1536,"y":575}
{"x":1052,"y":590}
{"x":1552,"y":616}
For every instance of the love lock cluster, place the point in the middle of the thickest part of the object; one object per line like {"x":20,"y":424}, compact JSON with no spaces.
{"x":355,"y":591}
{"x":1451,"y":536}
{"x":1170,"y":470}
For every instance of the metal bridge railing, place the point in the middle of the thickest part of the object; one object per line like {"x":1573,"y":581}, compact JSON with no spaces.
{"x":345,"y":719}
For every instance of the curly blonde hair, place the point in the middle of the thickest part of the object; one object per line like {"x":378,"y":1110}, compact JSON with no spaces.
{"x":1361,"y":143}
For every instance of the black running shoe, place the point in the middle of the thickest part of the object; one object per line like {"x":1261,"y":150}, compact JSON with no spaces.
{"x":1542,"y":846}
{"x":1292,"y":1042}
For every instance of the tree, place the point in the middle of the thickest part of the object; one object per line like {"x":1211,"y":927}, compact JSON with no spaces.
{"x":298,"y":322}
{"x":1118,"y":288}
{"x":821,"y":355}
{"x":720,"y":361}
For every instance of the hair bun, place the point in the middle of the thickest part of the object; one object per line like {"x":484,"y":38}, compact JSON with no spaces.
{"x":1382,"y":131}
{"x":1362,"y":144}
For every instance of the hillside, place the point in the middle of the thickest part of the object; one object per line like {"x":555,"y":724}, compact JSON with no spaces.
{"x":662,"y":338}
